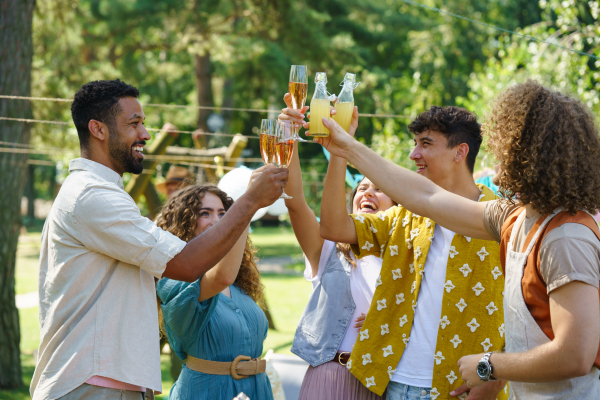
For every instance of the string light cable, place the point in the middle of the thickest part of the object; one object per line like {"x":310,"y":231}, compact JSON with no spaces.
{"x":172,"y":159}
{"x":41,"y":121}
{"x":259,"y":110}
{"x":498,"y":28}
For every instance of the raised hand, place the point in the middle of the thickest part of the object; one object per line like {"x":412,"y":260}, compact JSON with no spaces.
{"x":266,"y":185}
{"x":291,"y":114}
{"x":338,"y":141}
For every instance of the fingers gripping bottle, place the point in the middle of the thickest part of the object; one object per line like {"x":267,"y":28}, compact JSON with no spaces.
{"x":320,"y":106}
{"x":345,"y":103}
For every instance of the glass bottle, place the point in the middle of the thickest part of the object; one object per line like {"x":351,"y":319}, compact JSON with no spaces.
{"x":345,"y":103}
{"x":320,"y":106}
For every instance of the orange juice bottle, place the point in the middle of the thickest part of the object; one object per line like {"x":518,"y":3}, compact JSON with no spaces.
{"x":319,"y":106}
{"x":345,"y":103}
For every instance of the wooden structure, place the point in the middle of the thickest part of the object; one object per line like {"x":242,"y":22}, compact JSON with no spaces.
{"x":161,"y":147}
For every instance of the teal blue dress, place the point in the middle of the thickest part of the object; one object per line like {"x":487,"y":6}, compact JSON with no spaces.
{"x":217,"y":329}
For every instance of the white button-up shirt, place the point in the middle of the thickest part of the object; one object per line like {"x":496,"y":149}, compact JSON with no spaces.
{"x":98,"y":314}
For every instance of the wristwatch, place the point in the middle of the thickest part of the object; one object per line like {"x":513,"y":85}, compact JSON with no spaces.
{"x":484,"y":368}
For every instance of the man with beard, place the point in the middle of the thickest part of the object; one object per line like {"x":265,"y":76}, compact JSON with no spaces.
{"x":99,"y":257}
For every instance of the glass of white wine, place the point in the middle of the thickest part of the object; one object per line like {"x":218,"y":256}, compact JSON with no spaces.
{"x":298,"y":89}
{"x":284,"y":146}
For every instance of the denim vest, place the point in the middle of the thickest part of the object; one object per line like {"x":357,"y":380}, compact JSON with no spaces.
{"x":327,"y":315}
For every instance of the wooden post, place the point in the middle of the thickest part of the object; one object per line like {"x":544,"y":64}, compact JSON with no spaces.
{"x":210,"y":173}
{"x":138,"y":183}
{"x":237,"y":145}
{"x":152,"y":201}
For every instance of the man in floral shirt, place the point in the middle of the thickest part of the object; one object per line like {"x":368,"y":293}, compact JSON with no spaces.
{"x":439,"y":296}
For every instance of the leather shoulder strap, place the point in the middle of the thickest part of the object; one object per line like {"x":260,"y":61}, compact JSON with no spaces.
{"x":506,"y":231}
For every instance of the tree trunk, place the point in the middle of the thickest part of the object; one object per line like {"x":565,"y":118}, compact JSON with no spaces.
{"x":30,"y":193}
{"x":205,"y":95}
{"x":227,"y":103}
{"x":16,"y":51}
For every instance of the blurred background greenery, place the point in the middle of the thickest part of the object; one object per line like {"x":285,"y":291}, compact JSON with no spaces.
{"x":237,"y":53}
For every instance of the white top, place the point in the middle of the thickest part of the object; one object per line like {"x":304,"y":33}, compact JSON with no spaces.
{"x":416,"y":365}
{"x":362,"y":286}
{"x":98,"y":314}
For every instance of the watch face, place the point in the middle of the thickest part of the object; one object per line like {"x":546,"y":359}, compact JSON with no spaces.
{"x":483,"y":370}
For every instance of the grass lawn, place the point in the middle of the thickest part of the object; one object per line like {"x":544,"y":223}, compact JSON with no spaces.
{"x":286,"y":297}
{"x":275,"y":242}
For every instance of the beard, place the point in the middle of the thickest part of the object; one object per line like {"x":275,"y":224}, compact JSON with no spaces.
{"x":123,"y":153}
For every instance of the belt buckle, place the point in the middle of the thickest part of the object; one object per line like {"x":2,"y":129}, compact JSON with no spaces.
{"x":234,"y":364}
{"x":340,"y":357}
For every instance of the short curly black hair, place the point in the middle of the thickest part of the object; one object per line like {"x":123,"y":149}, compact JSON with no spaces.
{"x":457,"y":124}
{"x":98,"y":100}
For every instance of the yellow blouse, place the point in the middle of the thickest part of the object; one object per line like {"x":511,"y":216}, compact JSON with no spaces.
{"x":472,"y":315}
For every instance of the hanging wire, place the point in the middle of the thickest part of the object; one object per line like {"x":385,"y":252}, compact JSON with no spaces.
{"x":261,"y":110}
{"x":199,"y":132}
{"x":41,"y":121}
{"x":170,"y":158}
{"x":498,"y":28}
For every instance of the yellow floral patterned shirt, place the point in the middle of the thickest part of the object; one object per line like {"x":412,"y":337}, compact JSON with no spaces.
{"x":472,"y":312}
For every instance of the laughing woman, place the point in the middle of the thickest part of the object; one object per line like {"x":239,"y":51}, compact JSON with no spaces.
{"x":342,"y":286}
{"x":216,"y":321}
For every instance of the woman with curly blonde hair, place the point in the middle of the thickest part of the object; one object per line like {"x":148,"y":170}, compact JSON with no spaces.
{"x":216,"y":323}
{"x":548,"y":148}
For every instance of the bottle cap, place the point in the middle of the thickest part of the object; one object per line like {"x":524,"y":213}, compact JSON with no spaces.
{"x":321,"y":77}
{"x":351,"y":78}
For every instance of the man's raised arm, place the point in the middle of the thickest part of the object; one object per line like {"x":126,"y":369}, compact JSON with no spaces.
{"x":416,"y":193}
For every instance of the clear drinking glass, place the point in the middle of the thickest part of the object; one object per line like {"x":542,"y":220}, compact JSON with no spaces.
{"x":284,"y":147}
{"x":268,"y":140}
{"x":298,"y":89}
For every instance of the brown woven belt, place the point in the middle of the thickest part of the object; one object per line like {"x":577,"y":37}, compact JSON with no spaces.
{"x":342,"y":357}
{"x":238,"y":370}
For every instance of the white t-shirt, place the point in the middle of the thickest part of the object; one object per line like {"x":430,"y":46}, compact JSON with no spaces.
{"x":362,"y":286}
{"x":416,"y":365}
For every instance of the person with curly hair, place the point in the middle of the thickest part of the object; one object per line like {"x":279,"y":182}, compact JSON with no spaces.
{"x":215,"y":324}
{"x":548,"y":148}
{"x":99,"y":258}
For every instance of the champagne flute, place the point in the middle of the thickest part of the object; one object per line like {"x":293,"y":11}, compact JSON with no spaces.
{"x":267,"y":141}
{"x":298,"y":89}
{"x":284,"y":146}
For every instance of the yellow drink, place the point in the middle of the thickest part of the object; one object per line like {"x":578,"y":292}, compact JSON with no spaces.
{"x":319,"y":108}
{"x":343,"y":115}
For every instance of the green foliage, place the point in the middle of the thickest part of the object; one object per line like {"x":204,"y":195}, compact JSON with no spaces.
{"x":571,"y":24}
{"x":407,"y":58}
